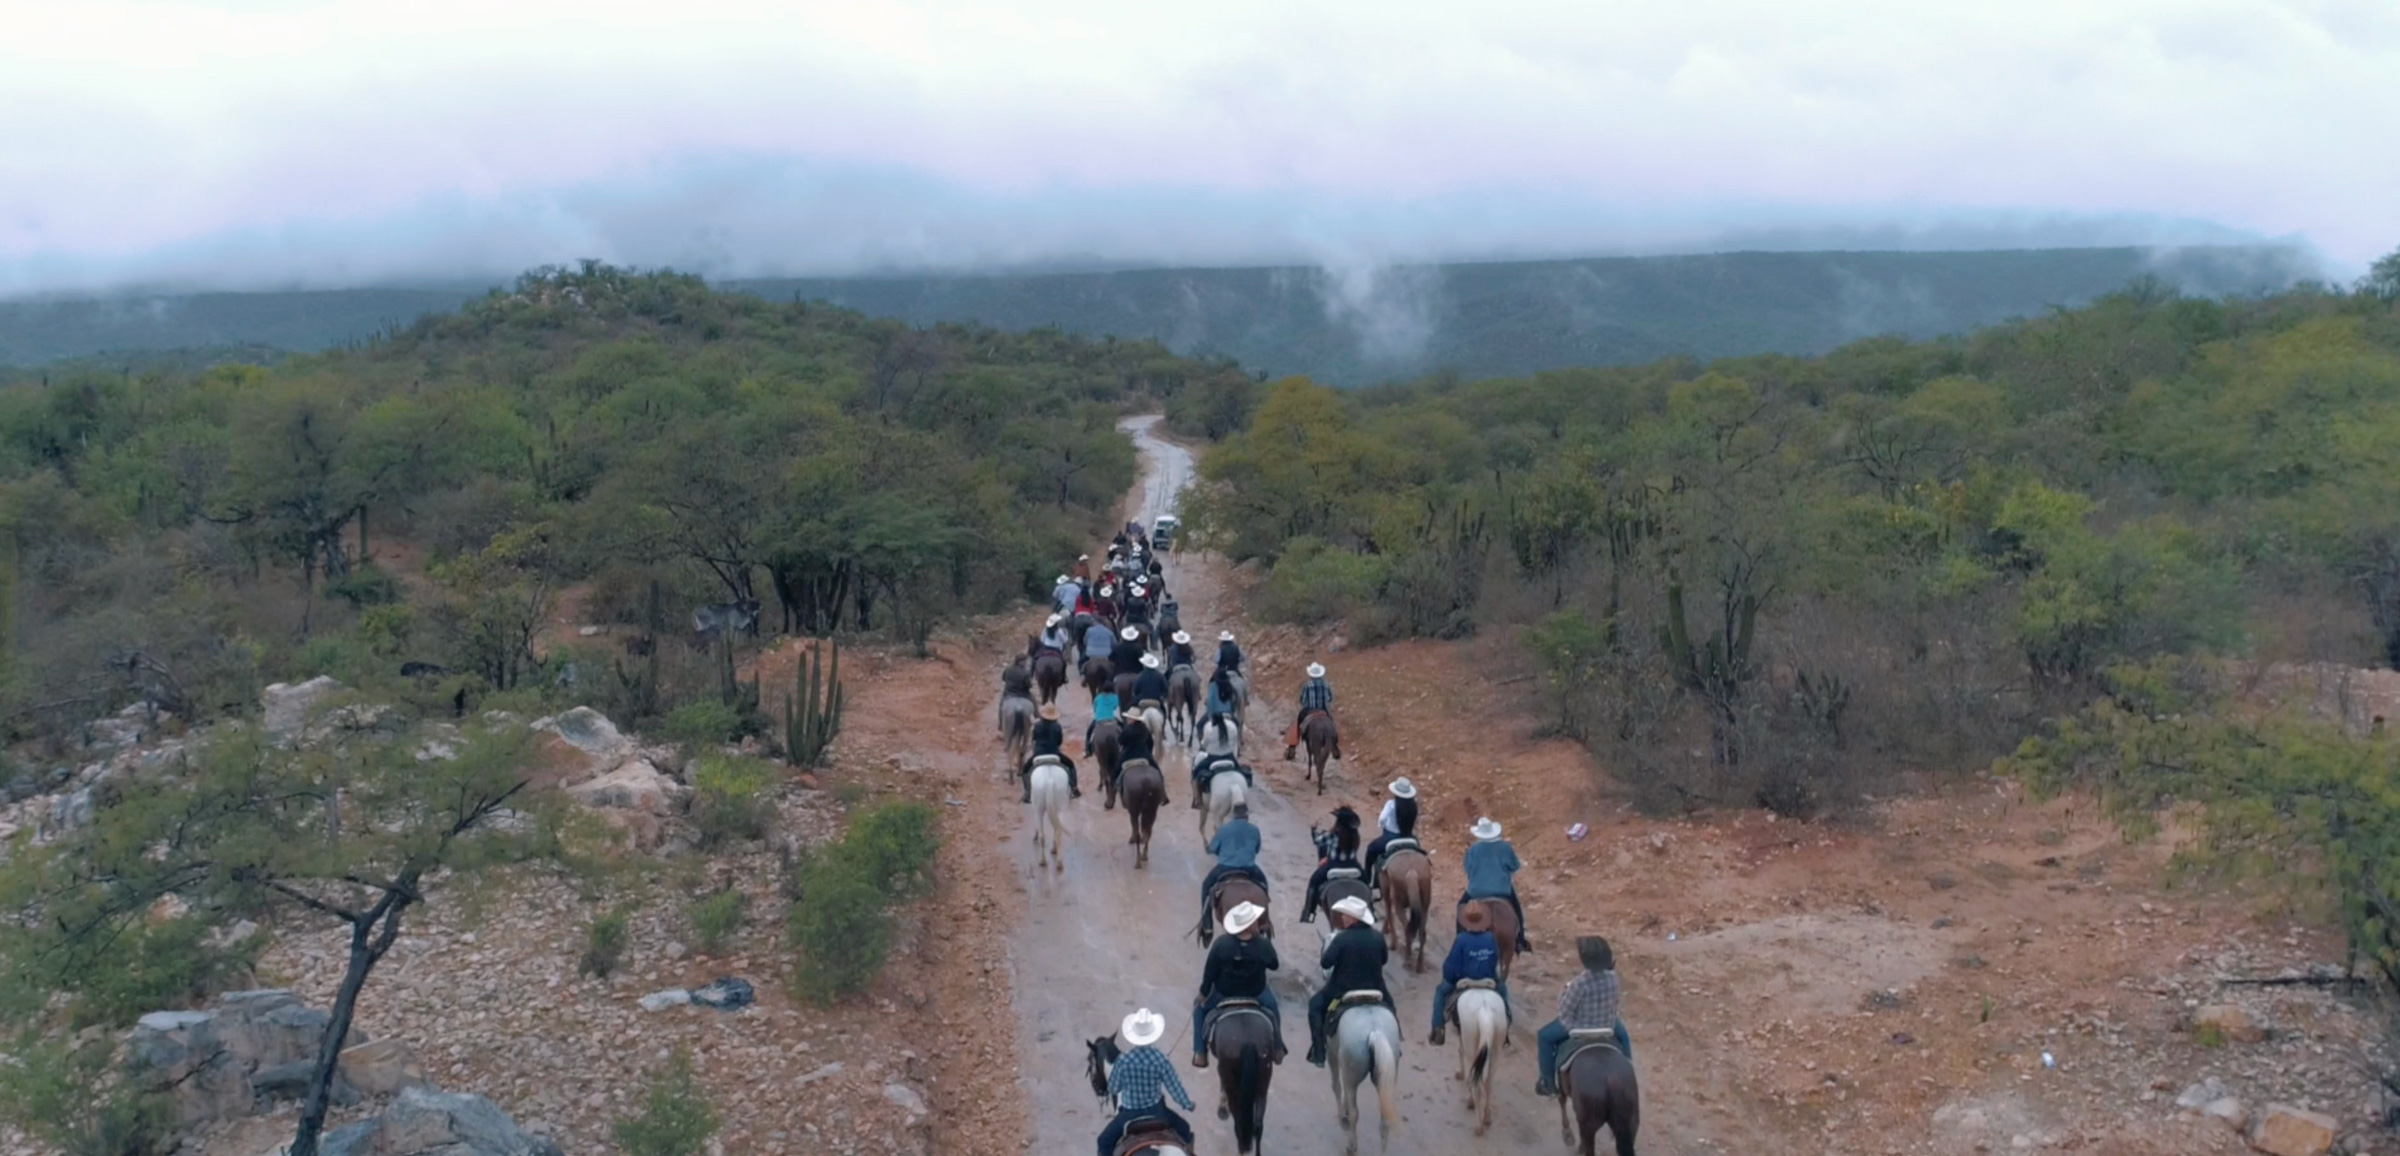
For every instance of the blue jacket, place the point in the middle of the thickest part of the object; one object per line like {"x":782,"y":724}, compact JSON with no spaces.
{"x":1097,"y":639}
{"x":1490,"y":867}
{"x":1236,"y":844}
{"x":1473,"y":955}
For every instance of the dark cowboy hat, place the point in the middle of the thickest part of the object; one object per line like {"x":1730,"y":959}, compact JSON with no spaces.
{"x":1595,"y":953}
{"x":1475,"y":918}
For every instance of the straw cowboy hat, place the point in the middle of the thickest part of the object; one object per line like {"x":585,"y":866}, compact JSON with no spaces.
{"x":1130,"y":633}
{"x":1180,"y":638}
{"x":1050,"y":711}
{"x":1474,"y":918}
{"x":1401,"y":788}
{"x":1224,"y":636}
{"x":1355,"y":908}
{"x":1315,"y":670}
{"x":1485,"y":830}
{"x":1143,"y":1028}
{"x":1150,"y":660}
{"x":1241,"y":917}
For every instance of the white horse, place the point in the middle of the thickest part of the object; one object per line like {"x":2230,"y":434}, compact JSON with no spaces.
{"x":1049,"y":783}
{"x":1365,"y":1049}
{"x":1227,"y":789}
{"x":1482,"y":1025}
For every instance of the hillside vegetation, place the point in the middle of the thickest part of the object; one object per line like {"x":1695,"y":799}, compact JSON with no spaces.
{"x":183,"y":537}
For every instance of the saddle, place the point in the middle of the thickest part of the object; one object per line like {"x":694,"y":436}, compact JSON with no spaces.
{"x":1253,"y":874}
{"x":1229,"y":1008}
{"x":1344,"y":883}
{"x":1450,"y":1010}
{"x":1394,"y":846}
{"x":1579,"y":1041}
{"x":1046,"y":761}
{"x":1150,"y":704}
{"x":1348,"y":1000}
{"x":1149,"y":1134}
{"x":1215,"y":765}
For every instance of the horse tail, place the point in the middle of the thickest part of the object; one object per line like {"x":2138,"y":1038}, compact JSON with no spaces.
{"x":1387,"y":1082}
{"x":1485,"y":1038}
{"x":1246,"y":1116}
{"x":1420,"y":902}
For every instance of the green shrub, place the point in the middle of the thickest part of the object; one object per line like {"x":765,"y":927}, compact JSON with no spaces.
{"x":1314,"y":582}
{"x":676,"y":1118}
{"x":1569,"y":649}
{"x":385,"y":630}
{"x":604,"y":944}
{"x":367,"y":585}
{"x":148,"y":966}
{"x":704,"y":722}
{"x":716,"y":918}
{"x":840,"y":927}
{"x":67,"y":1096}
{"x":733,"y":799}
{"x":894,"y":844}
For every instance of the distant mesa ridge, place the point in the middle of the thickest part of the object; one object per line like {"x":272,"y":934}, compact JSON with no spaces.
{"x":1342,"y":326}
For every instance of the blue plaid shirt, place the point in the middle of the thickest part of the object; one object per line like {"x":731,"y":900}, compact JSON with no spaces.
{"x":1142,"y":1077}
{"x":1316,"y":694}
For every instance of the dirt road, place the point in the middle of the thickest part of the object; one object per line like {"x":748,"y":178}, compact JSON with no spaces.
{"x":1103,"y":938}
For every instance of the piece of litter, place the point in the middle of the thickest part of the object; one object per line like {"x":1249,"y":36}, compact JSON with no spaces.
{"x":1577,"y":832}
{"x":2049,"y":1061}
{"x":662,"y":1000}
{"x":1670,"y":937}
{"x":725,"y":993}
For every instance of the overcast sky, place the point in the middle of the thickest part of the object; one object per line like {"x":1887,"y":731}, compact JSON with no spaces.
{"x":272,"y":142}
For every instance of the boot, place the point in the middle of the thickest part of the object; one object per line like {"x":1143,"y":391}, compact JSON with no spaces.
{"x":1439,"y":1035}
{"x":1544,"y":1088}
{"x":1524,"y":945}
{"x":1316,"y":1047}
{"x":1074,"y":792}
{"x":1199,"y":1059}
{"x":1288,"y":752}
{"x":1026,"y":781}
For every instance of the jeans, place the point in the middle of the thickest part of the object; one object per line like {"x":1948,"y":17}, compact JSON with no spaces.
{"x":1266,"y":999}
{"x":1116,"y":1127}
{"x":1441,"y":999}
{"x":1554,"y":1036}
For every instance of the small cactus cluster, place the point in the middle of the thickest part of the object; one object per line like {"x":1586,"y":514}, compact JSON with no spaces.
{"x":812,"y":714}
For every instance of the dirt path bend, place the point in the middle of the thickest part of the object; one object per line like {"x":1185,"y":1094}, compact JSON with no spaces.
{"x":1103,"y":938}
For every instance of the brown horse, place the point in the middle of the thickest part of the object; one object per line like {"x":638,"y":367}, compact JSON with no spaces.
{"x":1232,"y":891}
{"x":1600,"y":1082}
{"x":1096,"y":675}
{"x":1105,"y":755}
{"x":1406,"y":881}
{"x":1049,"y":674}
{"x":1144,"y":787}
{"x":1504,"y":930}
{"x":1016,"y":731}
{"x":1183,"y":702}
{"x":1323,"y":739}
{"x":1243,"y":1047}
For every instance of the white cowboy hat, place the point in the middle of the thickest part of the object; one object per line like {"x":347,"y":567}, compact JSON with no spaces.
{"x":1485,"y":830}
{"x":1403,"y":789}
{"x":1150,"y":660}
{"x":1356,"y":908}
{"x":1083,"y":557}
{"x":1130,"y":633}
{"x":1180,"y":637}
{"x":1242,"y":916}
{"x":1053,"y":620}
{"x":1224,"y":636}
{"x":1062,"y":580}
{"x":1143,"y":1027}
{"x":1106,"y":590}
{"x":1315,"y":671}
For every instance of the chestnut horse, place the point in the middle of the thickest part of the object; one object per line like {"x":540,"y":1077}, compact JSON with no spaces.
{"x":1322,"y":737}
{"x":1144,"y":787}
{"x":1406,"y":881}
{"x":1097,"y":675}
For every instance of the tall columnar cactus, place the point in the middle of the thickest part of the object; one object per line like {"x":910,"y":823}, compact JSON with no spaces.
{"x":812,"y":714}
{"x":1716,"y":667}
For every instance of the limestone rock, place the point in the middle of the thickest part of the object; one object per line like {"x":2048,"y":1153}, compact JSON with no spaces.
{"x":288,"y":707}
{"x":634,"y":786}
{"x":382,"y":1067}
{"x":2231,"y":1020}
{"x":2284,"y":1130}
{"x":2227,"y":1110}
{"x":207,"y":1061}
{"x":2199,"y":1096}
{"x":584,"y":744}
{"x":443,"y":1124}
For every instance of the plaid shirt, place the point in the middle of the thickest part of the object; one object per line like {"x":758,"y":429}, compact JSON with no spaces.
{"x":1142,"y":1076}
{"x":1589,"y":1001}
{"x":1316,"y":694}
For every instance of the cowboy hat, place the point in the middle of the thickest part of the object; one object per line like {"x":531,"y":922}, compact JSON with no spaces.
{"x":1053,"y":620}
{"x":1050,"y":710}
{"x":1150,"y":660}
{"x":1130,"y":633}
{"x":1473,"y":917}
{"x":1485,"y":830}
{"x":1224,"y":636}
{"x":1315,"y":670}
{"x":1083,"y":557}
{"x":1181,"y":638}
{"x":1062,"y":580}
{"x":1143,"y":1028}
{"x":1242,"y":916}
{"x":1107,"y":590}
{"x":1355,"y":908}
{"x":1401,"y":788}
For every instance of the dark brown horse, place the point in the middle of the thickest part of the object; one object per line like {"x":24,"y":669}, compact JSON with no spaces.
{"x":1406,"y":880}
{"x":1504,"y":930}
{"x":1105,"y":755}
{"x":1243,"y":1049}
{"x":1233,"y":891}
{"x":1122,"y":686}
{"x":1096,"y":675}
{"x":1049,"y":674}
{"x":1600,"y":1082}
{"x":1144,"y":787}
{"x":1323,"y":739}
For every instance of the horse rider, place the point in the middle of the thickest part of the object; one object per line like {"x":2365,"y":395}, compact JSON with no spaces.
{"x":1141,"y":1080}
{"x":1491,"y":866}
{"x":1179,"y":651}
{"x":1236,"y":847}
{"x":1054,"y":636}
{"x":1049,"y":739}
{"x":1205,"y":770}
{"x":1064,"y":594}
{"x":1082,"y":573}
{"x":1353,"y":961}
{"x":1017,"y":680}
{"x":1229,"y":653}
{"x":1104,"y":708}
{"x":1590,"y":1002}
{"x":1237,"y":967}
{"x":1150,"y":686}
{"x":1345,"y":855}
{"x":1135,"y":742}
{"x":1473,"y":955}
{"x":1125,"y":654}
{"x":1104,"y":604}
{"x":1315,"y":695}
{"x":1398,"y":821}
{"x":1098,"y":639}
{"x":1221,"y":695}
{"x":1137,"y":607}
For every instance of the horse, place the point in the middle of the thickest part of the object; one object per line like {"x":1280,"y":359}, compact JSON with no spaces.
{"x":1406,"y":881}
{"x":1321,"y":735}
{"x":1016,"y":730}
{"x":1105,"y":754}
{"x":1122,"y":686}
{"x":1504,"y":930}
{"x":1183,"y":700}
{"x":1243,"y":1047}
{"x":1144,"y":787}
{"x":1049,"y":674}
{"x":1097,"y":674}
{"x":1482,"y":1025}
{"x":1232,"y":891}
{"x":1049,"y":786}
{"x":1156,"y":720}
{"x":1141,"y":1137}
{"x":1365,"y":1047}
{"x":1078,"y":626}
{"x":1600,"y":1081}
{"x":1227,"y":789}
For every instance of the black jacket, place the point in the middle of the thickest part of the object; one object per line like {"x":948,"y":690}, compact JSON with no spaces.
{"x":1049,"y":738}
{"x":1136,"y":742}
{"x":1018,"y":681}
{"x":1125,"y":657}
{"x":1148,"y":686}
{"x":1237,"y":968}
{"x":1354,"y":960}
{"x":1180,"y":654}
{"x":1229,"y":656}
